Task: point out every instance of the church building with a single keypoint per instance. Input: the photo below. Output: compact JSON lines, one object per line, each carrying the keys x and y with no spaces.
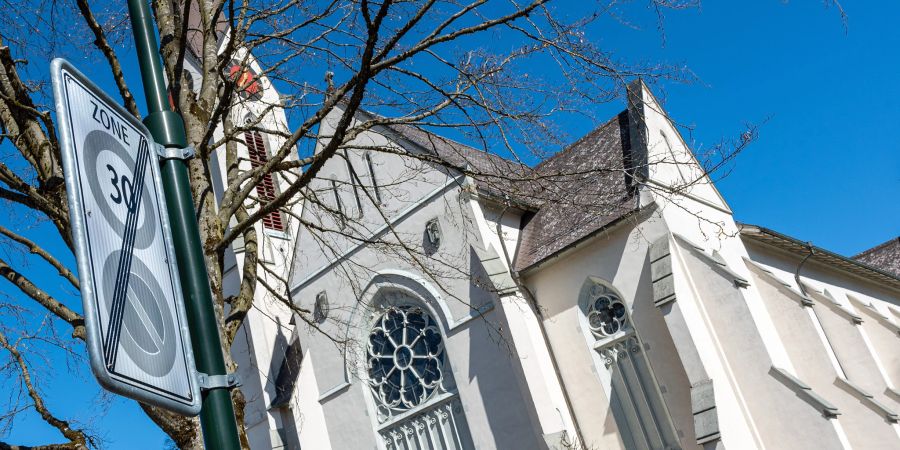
{"x":605,"y":298}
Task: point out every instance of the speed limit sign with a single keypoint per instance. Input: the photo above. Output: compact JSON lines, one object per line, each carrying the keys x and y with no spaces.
{"x":137,"y":332}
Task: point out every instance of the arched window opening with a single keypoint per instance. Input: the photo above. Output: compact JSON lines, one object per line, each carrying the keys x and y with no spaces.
{"x":372,"y":177}
{"x":634,"y":396}
{"x":265,"y":189}
{"x":415,"y":399}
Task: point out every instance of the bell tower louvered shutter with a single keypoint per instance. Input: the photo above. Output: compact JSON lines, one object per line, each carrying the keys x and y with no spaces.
{"x":265,"y":189}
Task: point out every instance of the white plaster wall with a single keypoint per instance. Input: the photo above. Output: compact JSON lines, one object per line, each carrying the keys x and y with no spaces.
{"x":867,"y":351}
{"x":402,"y":182}
{"x":620,"y":258}
{"x":484,"y":367}
{"x":306,"y":411}
{"x":817,"y":366}
{"x":730,"y":329}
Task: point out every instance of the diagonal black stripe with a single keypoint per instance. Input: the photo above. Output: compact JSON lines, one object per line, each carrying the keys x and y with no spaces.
{"x":123,"y":272}
{"x":124,"y":267}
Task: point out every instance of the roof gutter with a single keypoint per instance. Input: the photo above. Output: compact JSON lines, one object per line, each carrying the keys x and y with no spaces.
{"x":854,"y":267}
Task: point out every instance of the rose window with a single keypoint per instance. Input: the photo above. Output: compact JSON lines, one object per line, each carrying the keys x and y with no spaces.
{"x":606,"y":314}
{"x":405,"y":357}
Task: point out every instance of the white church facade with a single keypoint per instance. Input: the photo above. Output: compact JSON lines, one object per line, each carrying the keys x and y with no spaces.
{"x":501,"y":319}
{"x":458,"y":309}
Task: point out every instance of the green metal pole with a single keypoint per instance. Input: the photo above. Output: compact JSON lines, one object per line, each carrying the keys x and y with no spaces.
{"x":166,"y":126}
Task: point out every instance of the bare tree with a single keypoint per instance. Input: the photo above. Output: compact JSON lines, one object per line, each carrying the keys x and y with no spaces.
{"x":460,"y":68}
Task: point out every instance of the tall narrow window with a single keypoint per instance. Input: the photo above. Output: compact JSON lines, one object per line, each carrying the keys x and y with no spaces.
{"x":354,"y":181}
{"x":338,"y":204}
{"x":372,"y":177}
{"x":634,"y":395}
{"x":265,"y":189}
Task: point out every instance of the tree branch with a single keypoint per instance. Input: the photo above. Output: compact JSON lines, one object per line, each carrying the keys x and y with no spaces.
{"x":44,"y":299}
{"x":103,"y":45}
{"x":77,"y":438}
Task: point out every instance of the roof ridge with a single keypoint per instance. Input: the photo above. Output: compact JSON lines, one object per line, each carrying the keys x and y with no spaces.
{"x":564,"y":150}
{"x":394,"y":127}
{"x":880,"y":246}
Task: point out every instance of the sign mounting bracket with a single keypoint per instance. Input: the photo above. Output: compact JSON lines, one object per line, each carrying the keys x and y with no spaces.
{"x":173,"y":152}
{"x":209,"y":382}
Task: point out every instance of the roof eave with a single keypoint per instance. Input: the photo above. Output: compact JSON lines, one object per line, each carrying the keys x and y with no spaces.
{"x":636,"y":211}
{"x":775,"y":239}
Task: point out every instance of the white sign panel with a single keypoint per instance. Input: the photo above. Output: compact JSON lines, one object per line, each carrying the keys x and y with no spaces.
{"x":133,"y":307}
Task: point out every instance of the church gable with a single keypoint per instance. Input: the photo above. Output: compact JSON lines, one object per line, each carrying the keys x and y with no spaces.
{"x":666,"y":162}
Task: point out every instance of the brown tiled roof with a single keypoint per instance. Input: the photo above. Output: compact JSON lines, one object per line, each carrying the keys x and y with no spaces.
{"x":581,"y":189}
{"x":492,"y":174}
{"x":885,"y":256}
{"x":587,"y":188}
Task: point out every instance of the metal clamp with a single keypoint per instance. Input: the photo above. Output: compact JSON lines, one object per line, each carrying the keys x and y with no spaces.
{"x":210,"y":382}
{"x":174,"y":152}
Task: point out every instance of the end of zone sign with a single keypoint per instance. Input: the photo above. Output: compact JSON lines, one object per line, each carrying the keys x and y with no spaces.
{"x":134,"y":315}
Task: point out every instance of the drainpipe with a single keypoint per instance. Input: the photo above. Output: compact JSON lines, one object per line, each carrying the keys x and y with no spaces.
{"x":812,"y":252}
{"x":532,"y":302}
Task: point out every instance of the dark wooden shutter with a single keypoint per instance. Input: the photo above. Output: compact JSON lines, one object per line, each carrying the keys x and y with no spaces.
{"x":265,"y":189}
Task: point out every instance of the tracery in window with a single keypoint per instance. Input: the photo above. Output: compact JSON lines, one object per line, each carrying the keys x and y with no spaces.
{"x":606,"y":312}
{"x":414,"y":401}
{"x":634,"y":395}
{"x":405,"y":358}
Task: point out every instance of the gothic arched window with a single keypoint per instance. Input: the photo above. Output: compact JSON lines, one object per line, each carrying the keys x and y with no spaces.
{"x":406,"y":358}
{"x":407,"y":369}
{"x":634,"y":396}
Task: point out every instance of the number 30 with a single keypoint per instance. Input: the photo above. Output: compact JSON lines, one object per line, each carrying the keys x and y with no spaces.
{"x":121,"y":194}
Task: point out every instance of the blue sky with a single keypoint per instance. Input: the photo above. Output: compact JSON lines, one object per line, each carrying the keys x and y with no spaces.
{"x":826,"y":166}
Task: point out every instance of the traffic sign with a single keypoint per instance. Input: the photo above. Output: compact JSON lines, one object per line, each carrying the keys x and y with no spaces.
{"x":137,"y":332}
